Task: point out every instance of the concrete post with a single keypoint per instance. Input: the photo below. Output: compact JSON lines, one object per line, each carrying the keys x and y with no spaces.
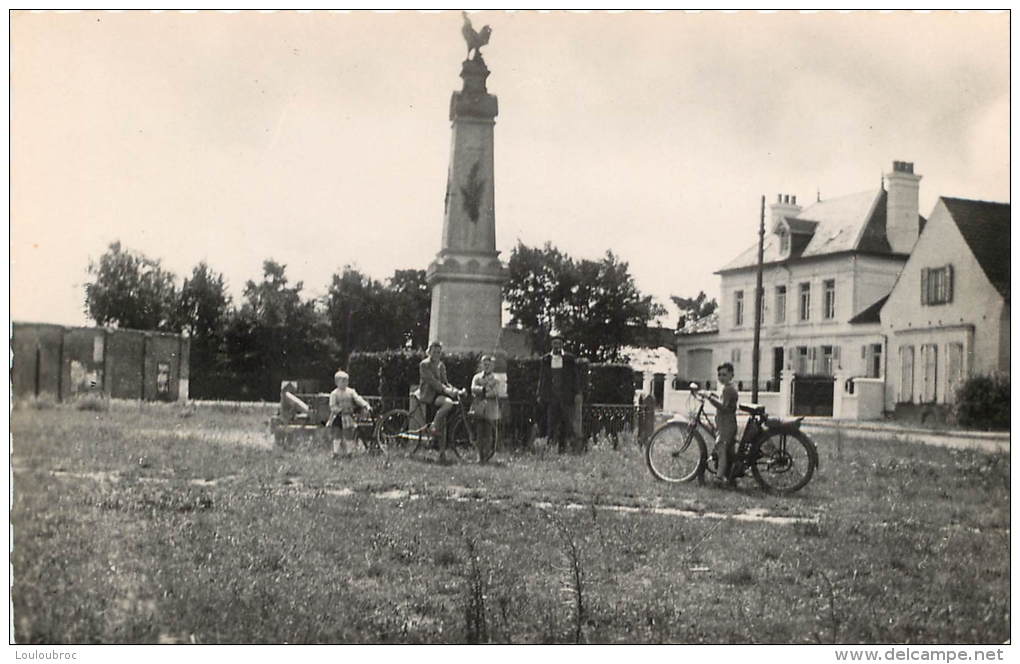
{"x":785,"y":393}
{"x":838,"y":392}
{"x":646,"y":421}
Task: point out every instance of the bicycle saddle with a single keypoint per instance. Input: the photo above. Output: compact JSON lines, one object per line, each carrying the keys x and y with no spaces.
{"x":775,"y":422}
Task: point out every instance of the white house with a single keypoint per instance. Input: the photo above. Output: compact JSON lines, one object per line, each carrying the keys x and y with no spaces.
{"x":947,"y":316}
{"x":827,"y":269}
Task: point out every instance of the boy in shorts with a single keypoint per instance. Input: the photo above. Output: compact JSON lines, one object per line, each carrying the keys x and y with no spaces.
{"x":343,"y":402}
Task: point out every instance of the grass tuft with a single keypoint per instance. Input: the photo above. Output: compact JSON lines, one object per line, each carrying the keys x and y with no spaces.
{"x":93,"y":403}
{"x":446,"y":557}
{"x":741,"y":576}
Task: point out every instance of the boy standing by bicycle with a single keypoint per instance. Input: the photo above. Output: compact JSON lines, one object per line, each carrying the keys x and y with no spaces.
{"x":343,"y":402}
{"x":725,"y":420}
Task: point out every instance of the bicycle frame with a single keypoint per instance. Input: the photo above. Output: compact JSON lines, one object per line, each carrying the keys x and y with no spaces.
{"x":421,"y":410}
{"x":757,"y":418}
{"x":777,"y":453}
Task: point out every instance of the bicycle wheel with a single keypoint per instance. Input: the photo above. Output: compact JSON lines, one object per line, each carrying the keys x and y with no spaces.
{"x":784,"y":461}
{"x":462,"y":441}
{"x":676,"y":453}
{"x":391,"y":432}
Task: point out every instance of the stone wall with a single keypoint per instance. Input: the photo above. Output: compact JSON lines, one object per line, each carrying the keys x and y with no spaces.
{"x":63,"y":363}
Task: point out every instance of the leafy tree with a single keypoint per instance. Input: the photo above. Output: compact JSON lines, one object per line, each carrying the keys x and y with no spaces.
{"x":130,"y":290}
{"x":595,"y":304}
{"x":366,"y":315}
{"x":693,"y":309}
{"x":203,"y":311}
{"x":540,"y":282}
{"x":360,"y":317}
{"x":413,"y":302}
{"x":276,"y":335}
{"x":203,"y":304}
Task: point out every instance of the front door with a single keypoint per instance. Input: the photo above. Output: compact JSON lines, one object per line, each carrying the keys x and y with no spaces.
{"x":777,"y":367}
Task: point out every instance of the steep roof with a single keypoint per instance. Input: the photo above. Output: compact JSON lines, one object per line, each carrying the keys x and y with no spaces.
{"x":870,"y":315}
{"x":849,"y":223}
{"x":985,"y":227}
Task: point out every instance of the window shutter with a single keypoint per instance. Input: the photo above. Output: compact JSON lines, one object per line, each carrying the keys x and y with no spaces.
{"x":864,"y":352}
{"x":835,"y":353}
{"x":924,"y":285}
{"x":949,"y":283}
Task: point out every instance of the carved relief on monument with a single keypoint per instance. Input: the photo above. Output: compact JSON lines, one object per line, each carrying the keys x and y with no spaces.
{"x":471,"y":192}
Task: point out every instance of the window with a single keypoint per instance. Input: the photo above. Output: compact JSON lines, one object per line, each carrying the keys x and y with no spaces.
{"x":805,"y":301}
{"x":829,"y":311}
{"x":906,"y":374}
{"x":803,"y":361}
{"x":929,"y":373}
{"x":784,"y":240}
{"x":872,"y":356}
{"x":937,"y":285}
{"x":780,"y":304}
{"x":738,"y":308}
{"x":830,"y":360}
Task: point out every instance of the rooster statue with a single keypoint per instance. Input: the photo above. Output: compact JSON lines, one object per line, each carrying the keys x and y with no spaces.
{"x":475,"y":40}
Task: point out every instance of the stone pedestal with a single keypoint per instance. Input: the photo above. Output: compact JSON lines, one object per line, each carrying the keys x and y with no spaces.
{"x":467,"y":276}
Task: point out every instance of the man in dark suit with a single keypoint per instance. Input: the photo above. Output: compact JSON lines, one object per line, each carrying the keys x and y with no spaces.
{"x":557,"y":392}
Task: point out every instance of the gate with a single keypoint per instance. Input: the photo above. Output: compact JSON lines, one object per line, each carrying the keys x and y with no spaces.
{"x":812,"y":395}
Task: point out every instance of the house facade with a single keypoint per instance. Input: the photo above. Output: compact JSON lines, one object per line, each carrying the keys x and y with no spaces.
{"x":827,"y":268}
{"x":947,"y":317}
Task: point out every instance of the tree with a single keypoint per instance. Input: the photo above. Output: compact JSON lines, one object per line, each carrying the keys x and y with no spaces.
{"x":413,"y":301}
{"x":203,"y":311}
{"x":203,"y":304}
{"x":132,"y":291}
{"x":366,"y":315}
{"x":595,"y":304}
{"x":538,"y":286}
{"x":693,"y":309}
{"x":276,"y":335}
{"x":360,"y":317}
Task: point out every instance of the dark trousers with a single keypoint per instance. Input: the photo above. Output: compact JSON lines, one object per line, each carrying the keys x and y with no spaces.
{"x":558,"y":422}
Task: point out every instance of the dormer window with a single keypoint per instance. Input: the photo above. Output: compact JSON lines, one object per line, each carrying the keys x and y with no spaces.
{"x":784,"y":238}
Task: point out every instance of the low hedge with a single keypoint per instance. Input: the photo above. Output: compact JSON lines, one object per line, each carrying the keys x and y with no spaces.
{"x":393,"y":373}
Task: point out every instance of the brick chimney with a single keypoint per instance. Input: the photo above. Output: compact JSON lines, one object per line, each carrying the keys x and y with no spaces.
{"x":785,"y":206}
{"x":901,"y":224}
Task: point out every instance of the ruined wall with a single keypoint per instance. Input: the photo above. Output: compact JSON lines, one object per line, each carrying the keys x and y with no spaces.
{"x":64,"y":363}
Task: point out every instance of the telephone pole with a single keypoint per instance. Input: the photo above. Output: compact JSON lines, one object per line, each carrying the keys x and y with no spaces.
{"x":756,"y":350}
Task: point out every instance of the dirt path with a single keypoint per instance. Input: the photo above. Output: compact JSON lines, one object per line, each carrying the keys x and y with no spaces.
{"x":452,"y":493}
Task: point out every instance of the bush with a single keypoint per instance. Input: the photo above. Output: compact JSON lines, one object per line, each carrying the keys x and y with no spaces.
{"x":396,"y":371}
{"x":983,"y":403}
{"x":392,"y":373}
{"x":522,"y":378}
{"x":610,"y":383}
{"x":44,"y":401}
{"x":364,"y":369}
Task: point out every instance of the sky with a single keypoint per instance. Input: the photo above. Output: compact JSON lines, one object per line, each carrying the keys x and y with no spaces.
{"x":321,"y":140}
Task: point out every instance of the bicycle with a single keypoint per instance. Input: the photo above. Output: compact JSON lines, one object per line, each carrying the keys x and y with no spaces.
{"x":472,"y":439}
{"x":782,"y":458}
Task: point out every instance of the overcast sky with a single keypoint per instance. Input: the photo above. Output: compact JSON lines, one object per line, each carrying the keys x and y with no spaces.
{"x":323,"y":139}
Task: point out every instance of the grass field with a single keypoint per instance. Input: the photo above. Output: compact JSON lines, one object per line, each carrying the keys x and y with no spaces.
{"x":163,"y":524}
